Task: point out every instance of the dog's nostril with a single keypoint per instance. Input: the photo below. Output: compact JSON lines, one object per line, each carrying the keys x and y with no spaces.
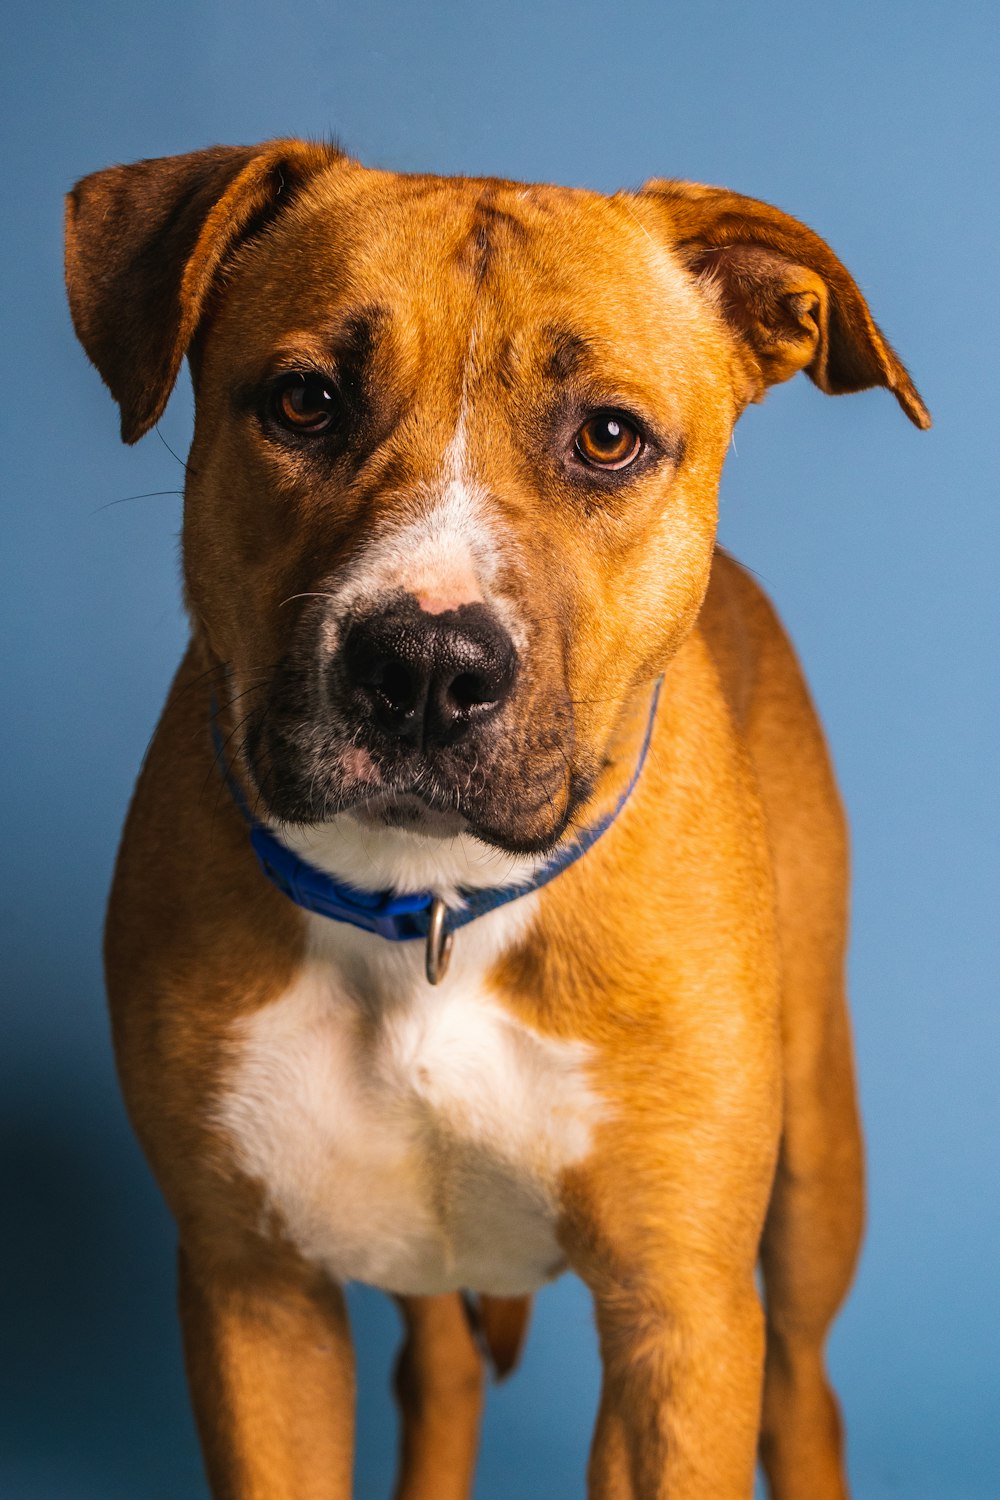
{"x":468,"y":690}
{"x":397,"y":684}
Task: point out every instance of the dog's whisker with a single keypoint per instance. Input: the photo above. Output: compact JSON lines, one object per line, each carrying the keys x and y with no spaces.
{"x":185,"y":465}
{"x":307,"y":594}
{"x":124,"y":499}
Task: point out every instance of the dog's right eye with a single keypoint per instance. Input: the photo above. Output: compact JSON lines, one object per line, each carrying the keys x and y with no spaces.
{"x":305,"y":403}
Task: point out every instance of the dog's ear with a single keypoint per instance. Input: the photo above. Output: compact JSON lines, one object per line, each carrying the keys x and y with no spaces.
{"x":143,"y":245}
{"x":793,"y":303}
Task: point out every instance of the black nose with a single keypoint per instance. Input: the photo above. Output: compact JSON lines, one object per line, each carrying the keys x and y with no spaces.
{"x":430,"y":678}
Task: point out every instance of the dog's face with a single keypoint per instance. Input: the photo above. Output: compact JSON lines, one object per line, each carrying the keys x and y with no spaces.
{"x":451,"y":499}
{"x":452,"y":493}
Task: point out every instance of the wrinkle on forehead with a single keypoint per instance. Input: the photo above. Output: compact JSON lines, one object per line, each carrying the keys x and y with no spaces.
{"x":439,"y":244}
{"x":493,"y":226}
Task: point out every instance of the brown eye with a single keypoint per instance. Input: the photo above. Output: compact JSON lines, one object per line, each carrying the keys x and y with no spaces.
{"x":608,"y":441}
{"x":305,"y":403}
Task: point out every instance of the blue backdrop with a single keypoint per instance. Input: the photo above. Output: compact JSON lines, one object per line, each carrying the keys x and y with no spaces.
{"x":875,"y":123}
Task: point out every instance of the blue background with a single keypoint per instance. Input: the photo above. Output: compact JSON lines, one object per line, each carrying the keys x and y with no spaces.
{"x":875,"y":124}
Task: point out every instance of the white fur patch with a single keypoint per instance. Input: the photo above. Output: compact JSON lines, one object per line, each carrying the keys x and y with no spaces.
{"x":409,"y":1137}
{"x":449,"y":553}
{"x":400,"y":860}
{"x":445,"y":549}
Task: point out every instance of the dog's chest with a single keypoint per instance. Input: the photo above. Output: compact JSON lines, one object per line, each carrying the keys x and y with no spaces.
{"x":415,"y":1145}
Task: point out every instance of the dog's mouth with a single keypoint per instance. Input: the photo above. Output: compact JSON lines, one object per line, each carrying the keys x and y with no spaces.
{"x":531,"y":825}
{"x":497,"y":791}
{"x":515,"y":822}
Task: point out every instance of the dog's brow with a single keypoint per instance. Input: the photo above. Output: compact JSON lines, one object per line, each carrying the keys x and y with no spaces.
{"x":352,"y":337}
{"x":569,"y":350}
{"x":346,"y":343}
{"x":493,"y":224}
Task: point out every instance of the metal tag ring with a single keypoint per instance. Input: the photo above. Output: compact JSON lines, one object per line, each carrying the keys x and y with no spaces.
{"x":437,"y":954}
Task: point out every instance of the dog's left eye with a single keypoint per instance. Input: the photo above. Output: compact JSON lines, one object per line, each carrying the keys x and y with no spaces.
{"x":305,"y":403}
{"x":607,"y":440}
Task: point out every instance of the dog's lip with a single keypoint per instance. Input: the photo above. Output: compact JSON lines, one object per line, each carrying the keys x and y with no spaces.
{"x":437,"y":794}
{"x":438,"y":817}
{"x":527,"y":817}
{"x":441,"y":818}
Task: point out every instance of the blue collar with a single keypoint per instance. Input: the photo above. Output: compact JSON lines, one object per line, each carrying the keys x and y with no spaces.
{"x":419,"y":914}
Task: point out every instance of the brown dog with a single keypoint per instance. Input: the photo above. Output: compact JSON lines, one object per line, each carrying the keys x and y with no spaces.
{"x":450,"y":514}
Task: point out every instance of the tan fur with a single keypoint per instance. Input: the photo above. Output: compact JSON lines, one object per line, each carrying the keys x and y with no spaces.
{"x":694,"y":956}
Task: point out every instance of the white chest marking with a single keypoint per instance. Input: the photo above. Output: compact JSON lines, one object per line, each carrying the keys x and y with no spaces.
{"x":413,"y":1145}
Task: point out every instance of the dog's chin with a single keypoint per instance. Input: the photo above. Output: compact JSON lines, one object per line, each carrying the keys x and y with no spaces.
{"x":409,"y":812}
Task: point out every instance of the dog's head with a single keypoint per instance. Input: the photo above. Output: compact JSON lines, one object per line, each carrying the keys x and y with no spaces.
{"x":451,"y":500}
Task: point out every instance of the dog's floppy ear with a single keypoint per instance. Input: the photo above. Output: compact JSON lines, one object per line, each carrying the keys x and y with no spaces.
{"x":793,"y":303}
{"x":143,"y":244}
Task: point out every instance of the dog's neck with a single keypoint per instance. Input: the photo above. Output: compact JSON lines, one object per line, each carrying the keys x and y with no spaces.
{"x":402,"y":859}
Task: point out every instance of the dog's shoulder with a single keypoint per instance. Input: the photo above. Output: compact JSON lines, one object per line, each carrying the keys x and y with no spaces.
{"x":749,"y":645}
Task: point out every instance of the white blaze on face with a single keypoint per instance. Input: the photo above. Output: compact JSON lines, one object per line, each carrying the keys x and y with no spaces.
{"x":452,"y":546}
{"x":449,"y":554}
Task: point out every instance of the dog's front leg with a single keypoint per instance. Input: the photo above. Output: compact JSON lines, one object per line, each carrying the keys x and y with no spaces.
{"x":663,"y":1224}
{"x":680,"y":1402}
{"x":271,"y":1371}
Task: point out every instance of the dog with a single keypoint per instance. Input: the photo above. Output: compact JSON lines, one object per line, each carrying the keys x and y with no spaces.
{"x":481,"y":906}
